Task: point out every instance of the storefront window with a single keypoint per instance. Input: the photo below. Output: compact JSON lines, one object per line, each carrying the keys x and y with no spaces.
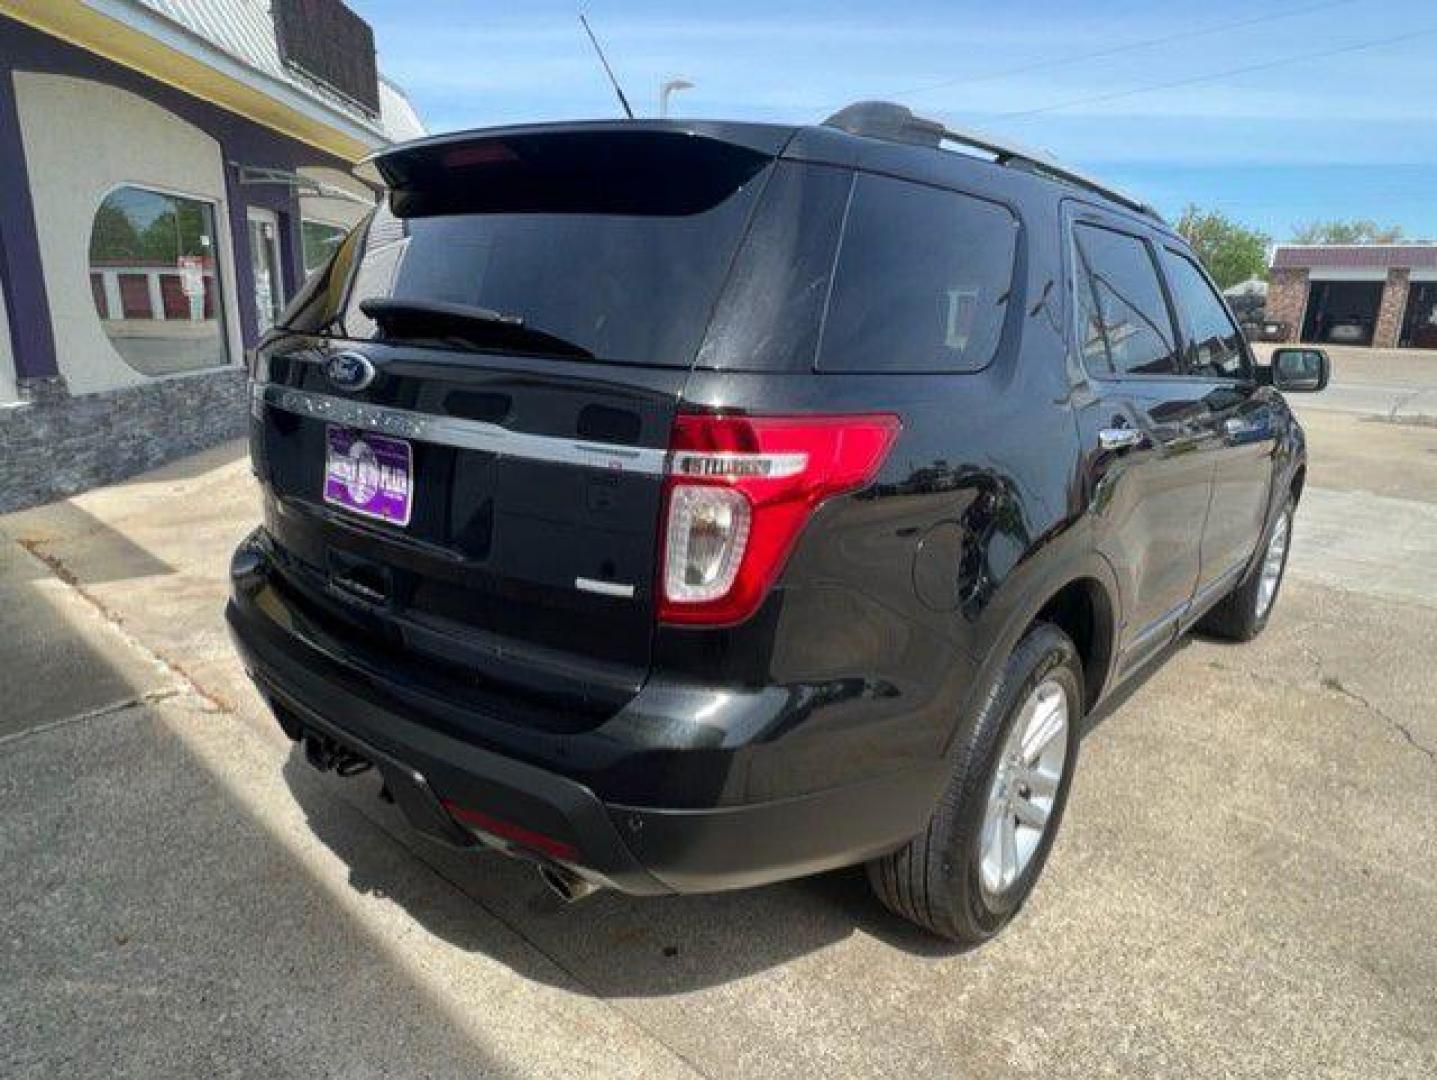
{"x":155,"y":281}
{"x":319,"y":240}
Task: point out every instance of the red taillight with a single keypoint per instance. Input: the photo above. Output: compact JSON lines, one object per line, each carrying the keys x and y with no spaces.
{"x":737,"y":493}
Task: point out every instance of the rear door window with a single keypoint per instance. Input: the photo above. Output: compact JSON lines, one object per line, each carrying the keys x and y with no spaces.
{"x":629,"y":287}
{"x":1215,"y":348}
{"x":922,"y":282}
{"x":1125,"y":327}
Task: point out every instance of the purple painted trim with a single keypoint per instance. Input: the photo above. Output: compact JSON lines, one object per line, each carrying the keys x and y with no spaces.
{"x":290,"y":253}
{"x":23,"y":48}
{"x":27,"y":308}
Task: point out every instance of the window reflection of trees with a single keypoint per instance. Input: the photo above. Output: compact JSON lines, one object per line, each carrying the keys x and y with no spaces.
{"x":154,"y":280}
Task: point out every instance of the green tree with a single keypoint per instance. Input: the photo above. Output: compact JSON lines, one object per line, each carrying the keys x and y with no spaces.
{"x":1358,"y":231}
{"x":113,"y":237}
{"x":160,"y":241}
{"x":1231,"y":252}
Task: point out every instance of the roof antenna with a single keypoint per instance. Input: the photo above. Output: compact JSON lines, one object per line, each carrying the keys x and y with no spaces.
{"x":608,"y":70}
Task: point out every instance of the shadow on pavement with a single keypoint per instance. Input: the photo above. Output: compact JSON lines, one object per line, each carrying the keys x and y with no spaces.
{"x":614,"y":945}
{"x":153,"y":926}
{"x":57,"y":662}
{"x":110,"y":554}
{"x":182,"y":938}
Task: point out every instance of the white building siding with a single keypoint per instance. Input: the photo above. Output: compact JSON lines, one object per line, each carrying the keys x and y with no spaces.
{"x":401,"y":121}
{"x":7,"y":357}
{"x":82,"y":140}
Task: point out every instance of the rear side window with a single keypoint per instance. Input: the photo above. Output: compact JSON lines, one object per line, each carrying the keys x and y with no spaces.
{"x":1124,"y":324}
{"x":922,"y":281}
{"x":769,"y":316}
{"x":1214,"y":342}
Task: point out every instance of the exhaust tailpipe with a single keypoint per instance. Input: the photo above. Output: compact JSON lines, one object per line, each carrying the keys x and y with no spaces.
{"x":565,"y":884}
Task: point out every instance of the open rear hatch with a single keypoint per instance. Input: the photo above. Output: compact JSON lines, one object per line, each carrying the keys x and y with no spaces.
{"x":462,"y":425}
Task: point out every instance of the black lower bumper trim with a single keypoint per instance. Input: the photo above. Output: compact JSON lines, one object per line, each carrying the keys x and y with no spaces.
{"x":446,"y":768}
{"x":643,"y":850}
{"x":406,"y":785}
{"x":736,"y":847}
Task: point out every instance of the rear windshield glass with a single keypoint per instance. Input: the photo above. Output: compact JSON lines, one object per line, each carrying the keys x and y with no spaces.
{"x":922,"y":282}
{"x":626,"y":287}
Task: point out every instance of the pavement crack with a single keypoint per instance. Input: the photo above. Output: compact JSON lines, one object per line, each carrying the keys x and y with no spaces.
{"x":1394,"y":413}
{"x":68,"y":577}
{"x":1336,"y":685}
{"x":1400,"y":402}
{"x":100,"y":712}
{"x":1333,"y":684}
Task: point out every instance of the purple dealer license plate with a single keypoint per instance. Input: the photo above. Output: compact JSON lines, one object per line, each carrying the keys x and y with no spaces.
{"x":369,"y":474}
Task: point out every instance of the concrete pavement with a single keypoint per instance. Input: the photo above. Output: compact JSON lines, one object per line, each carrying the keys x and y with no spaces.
{"x":89,"y":666}
{"x":168,"y":910}
{"x":1398,"y":385}
{"x":1245,"y":884}
{"x":1402,"y":404}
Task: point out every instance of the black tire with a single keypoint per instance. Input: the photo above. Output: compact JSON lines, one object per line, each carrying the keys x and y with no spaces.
{"x":935,"y":879}
{"x":1241,"y":615}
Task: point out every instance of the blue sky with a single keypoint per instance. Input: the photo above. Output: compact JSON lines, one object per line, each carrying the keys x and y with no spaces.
{"x":1240,"y":117}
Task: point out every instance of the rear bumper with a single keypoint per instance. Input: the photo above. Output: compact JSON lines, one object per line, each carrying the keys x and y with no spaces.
{"x":439,"y":780}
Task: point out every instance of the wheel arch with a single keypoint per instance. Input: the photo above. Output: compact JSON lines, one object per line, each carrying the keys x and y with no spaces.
{"x":1081,"y":598}
{"x":1084,"y":610}
{"x":1299,"y":478}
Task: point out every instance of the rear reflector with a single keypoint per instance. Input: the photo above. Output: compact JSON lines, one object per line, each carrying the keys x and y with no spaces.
{"x":507,"y":830}
{"x":738,"y":491}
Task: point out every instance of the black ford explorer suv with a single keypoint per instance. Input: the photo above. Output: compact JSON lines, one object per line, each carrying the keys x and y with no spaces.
{"x":684,"y":506}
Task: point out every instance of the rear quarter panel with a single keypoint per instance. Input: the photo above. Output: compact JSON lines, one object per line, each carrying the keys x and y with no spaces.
{"x":896,"y":598}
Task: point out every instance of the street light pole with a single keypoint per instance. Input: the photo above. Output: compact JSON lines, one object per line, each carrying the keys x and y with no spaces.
{"x":668,"y":88}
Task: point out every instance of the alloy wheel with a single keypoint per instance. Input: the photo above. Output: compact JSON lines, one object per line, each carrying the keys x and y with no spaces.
{"x":1272,"y":562}
{"x":1025,"y":786}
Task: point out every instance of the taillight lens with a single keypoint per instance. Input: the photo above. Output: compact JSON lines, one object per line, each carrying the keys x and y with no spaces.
{"x":738,"y":491}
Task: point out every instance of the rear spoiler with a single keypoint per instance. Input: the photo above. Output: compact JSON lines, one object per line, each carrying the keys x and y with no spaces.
{"x":648,"y":167}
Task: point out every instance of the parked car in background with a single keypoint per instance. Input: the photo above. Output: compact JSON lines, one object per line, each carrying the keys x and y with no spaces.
{"x":1350,"y":330}
{"x":685,"y":506}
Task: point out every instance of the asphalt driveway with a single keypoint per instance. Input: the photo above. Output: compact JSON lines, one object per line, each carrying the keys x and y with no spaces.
{"x":1246,"y":883}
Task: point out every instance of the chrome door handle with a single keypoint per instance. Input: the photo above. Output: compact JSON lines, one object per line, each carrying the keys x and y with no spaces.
{"x":1120,"y":438}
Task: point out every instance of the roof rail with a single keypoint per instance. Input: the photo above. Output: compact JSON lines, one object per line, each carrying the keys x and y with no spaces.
{"x":897,"y":123}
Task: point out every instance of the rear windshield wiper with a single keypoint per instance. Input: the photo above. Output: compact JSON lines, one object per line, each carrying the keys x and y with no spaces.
{"x":483,"y":327}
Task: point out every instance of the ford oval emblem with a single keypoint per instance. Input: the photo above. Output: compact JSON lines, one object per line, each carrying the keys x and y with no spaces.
{"x":349,"y":371}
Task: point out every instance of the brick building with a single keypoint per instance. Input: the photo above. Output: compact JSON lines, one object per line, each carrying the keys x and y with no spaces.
{"x":1383,"y":295}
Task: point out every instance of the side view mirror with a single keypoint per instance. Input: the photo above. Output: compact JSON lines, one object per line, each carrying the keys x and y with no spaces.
{"x":1300,"y":371}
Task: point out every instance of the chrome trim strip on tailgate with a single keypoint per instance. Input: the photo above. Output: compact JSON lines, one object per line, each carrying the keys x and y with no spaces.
{"x":604,"y":588}
{"x":465,"y":434}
